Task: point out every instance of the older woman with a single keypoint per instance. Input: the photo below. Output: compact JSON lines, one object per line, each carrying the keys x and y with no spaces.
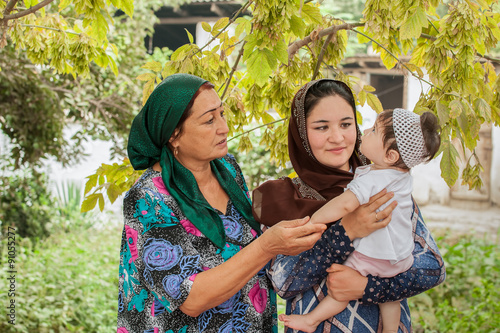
{"x":323,"y":142}
{"x":192,"y":256}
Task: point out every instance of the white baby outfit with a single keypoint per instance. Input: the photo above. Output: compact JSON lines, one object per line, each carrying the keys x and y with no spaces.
{"x":394,"y":242}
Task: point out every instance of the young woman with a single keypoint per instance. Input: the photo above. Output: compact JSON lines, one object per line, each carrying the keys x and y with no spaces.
{"x":323,"y":143}
{"x":398,"y":141}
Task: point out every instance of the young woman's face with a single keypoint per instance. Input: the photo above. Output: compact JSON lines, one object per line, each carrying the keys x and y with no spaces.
{"x":331,"y":130}
{"x":204,"y":133}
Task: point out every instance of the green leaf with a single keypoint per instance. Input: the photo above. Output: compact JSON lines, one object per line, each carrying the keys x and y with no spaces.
{"x":463,"y":123}
{"x":63,"y":4}
{"x":242,"y":25}
{"x":147,"y":90}
{"x":100,"y":27}
{"x":483,"y":108}
{"x":113,"y":192}
{"x":414,"y":68}
{"x":89,"y":203}
{"x":261,"y":64}
{"x":112,"y":65}
{"x":388,"y":60}
{"x":267,"y":118}
{"x":191,"y":39}
{"x":368,"y":88}
{"x":449,"y":165}
{"x":443,"y":112}
{"x":312,"y":14}
{"x":146,"y":77}
{"x":154,"y":66}
{"x":362,"y":97}
{"x":281,"y":51}
{"x":456,"y":108}
{"x":101,"y":202}
{"x":221,"y":23}
{"x":297,"y":26}
{"x":91,"y":182}
{"x":206,"y":26}
{"x":374,"y":102}
{"x":361,"y":38}
{"x":128,"y":7}
{"x":412,"y":27}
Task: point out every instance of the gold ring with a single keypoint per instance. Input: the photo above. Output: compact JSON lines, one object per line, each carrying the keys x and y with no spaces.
{"x":376,"y":218}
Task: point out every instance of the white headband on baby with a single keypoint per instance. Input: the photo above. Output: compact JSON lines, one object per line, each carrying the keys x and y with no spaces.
{"x":409,"y":137}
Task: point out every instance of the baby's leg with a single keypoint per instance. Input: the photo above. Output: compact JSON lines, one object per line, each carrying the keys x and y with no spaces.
{"x":308,"y":322}
{"x":391,"y":313}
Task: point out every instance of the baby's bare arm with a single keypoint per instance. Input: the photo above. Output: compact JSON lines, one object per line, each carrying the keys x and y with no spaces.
{"x":336,"y":208}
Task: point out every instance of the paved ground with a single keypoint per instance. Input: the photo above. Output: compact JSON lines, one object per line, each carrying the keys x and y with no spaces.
{"x":456,"y":220}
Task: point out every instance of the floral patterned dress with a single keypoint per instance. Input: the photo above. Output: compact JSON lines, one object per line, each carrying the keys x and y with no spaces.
{"x":161,"y":254}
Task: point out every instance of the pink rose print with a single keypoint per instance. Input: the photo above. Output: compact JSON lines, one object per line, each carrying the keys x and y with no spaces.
{"x":121,"y":330}
{"x":258,"y":297}
{"x":160,"y":185}
{"x":190,"y":228}
{"x":131,"y":235}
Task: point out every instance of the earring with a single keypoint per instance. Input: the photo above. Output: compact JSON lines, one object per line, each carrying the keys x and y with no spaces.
{"x":176,"y":151}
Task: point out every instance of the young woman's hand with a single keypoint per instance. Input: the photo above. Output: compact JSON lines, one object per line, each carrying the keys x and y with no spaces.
{"x":365,"y":219}
{"x":344,"y":283}
{"x":291,"y":237}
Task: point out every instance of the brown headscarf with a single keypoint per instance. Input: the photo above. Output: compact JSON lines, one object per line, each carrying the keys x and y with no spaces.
{"x":287,"y":199}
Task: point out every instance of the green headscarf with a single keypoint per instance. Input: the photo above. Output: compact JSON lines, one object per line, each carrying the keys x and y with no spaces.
{"x":147,"y":144}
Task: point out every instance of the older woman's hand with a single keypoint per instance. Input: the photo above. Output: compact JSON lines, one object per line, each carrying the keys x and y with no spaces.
{"x":365,"y":219}
{"x":291,"y":237}
{"x":344,"y":283}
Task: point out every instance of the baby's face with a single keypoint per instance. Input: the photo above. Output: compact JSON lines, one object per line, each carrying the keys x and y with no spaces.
{"x":372,"y":144}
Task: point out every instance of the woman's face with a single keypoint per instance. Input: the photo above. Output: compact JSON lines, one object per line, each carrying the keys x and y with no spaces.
{"x":331,"y":130}
{"x":204,"y":133}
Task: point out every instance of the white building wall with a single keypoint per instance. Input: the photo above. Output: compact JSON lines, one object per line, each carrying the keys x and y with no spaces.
{"x":495,"y":166}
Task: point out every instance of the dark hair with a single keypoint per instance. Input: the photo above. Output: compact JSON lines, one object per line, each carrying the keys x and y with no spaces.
{"x":325,"y":88}
{"x":430,"y":130}
{"x":188,"y":111}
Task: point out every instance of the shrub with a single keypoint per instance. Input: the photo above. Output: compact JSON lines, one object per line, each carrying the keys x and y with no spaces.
{"x":69,"y":283}
{"x":25,"y":204}
{"x":469,"y":298}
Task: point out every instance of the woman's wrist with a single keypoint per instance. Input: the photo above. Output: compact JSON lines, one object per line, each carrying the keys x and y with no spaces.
{"x":264,"y":248}
{"x":347,"y":224}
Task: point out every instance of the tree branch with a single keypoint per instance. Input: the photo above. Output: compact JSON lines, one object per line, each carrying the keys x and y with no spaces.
{"x":397,"y":59}
{"x":295,"y":46}
{"x":9,"y":7}
{"x":484,"y":56}
{"x":253,"y":129}
{"x":27,"y":11}
{"x":50,"y":28}
{"x":240,"y":54}
{"x":322,"y":54}
{"x":231,"y":21}
{"x":487,"y":57}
